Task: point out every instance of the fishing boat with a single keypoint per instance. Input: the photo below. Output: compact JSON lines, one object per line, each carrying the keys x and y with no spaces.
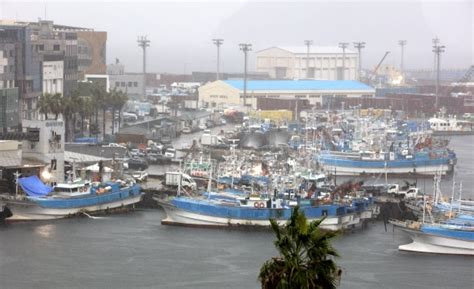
{"x":454,"y":237}
{"x":42,"y":202}
{"x":224,"y":210}
{"x":446,"y":125}
{"x":369,"y":162}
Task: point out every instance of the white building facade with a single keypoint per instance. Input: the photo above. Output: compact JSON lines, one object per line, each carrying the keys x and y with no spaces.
{"x":325,"y":63}
{"x":53,"y":77}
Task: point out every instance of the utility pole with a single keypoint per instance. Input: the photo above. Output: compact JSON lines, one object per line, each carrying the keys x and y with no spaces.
{"x":437,"y":49}
{"x":308,"y":44}
{"x":359,"y":46}
{"x":245,"y":47}
{"x":402,"y":44}
{"x":343,"y":45}
{"x":218,"y":42}
{"x":143,"y":42}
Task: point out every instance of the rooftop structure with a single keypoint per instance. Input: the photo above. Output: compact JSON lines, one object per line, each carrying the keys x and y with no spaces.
{"x":313,"y":62}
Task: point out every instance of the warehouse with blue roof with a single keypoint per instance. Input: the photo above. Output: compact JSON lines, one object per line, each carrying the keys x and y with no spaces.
{"x":229,"y":93}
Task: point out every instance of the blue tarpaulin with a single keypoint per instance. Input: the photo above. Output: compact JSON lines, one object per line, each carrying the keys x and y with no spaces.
{"x":34,"y":187}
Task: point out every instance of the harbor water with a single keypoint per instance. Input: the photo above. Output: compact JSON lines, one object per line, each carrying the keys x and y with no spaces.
{"x":134,"y":250}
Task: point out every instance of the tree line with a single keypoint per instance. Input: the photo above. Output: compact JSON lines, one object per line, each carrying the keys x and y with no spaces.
{"x":81,"y":112}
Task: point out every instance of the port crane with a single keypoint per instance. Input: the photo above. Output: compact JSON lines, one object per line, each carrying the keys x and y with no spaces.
{"x":372,"y":75}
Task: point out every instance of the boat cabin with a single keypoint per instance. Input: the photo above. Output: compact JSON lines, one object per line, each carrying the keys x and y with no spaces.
{"x":72,"y":189}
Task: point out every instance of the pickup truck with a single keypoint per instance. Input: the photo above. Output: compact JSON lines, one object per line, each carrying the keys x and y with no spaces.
{"x":410,"y":193}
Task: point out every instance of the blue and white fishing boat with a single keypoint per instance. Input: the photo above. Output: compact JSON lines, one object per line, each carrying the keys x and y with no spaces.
{"x":425,"y":163}
{"x":453,"y":237}
{"x":226,"y":210}
{"x":42,"y":202}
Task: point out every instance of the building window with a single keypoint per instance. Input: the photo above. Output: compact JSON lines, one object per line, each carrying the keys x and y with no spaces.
{"x":11,"y":53}
{"x":129,"y":84}
{"x":300,"y":96}
{"x":135,"y":84}
{"x":56,"y":47}
{"x":123,"y":84}
{"x":117,"y":84}
{"x":40,"y":47}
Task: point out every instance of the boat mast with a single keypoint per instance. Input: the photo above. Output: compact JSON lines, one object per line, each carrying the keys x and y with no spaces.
{"x":452,"y":198}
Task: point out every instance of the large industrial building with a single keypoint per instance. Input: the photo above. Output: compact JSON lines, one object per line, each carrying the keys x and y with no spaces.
{"x":229,"y":93}
{"x":323,"y":63}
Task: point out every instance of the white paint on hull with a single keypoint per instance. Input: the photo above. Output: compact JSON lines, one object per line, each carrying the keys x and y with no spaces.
{"x":429,"y":243}
{"x":31,"y":212}
{"x":180,"y":217}
{"x":355,"y":171}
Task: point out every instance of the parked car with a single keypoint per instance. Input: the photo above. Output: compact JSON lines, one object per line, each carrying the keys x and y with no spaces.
{"x":165,"y":139}
{"x":170,"y":153}
{"x":202,"y":126}
{"x":186,"y":130}
{"x":140,"y":176}
{"x":114,"y":145}
{"x":137,"y":164}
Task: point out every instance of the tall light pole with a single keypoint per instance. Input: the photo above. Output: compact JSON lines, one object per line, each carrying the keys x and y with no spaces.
{"x":402,"y":44}
{"x":218,"y":42}
{"x":308,"y":44}
{"x":359,"y":46}
{"x":143,"y":42}
{"x":437,"y":49}
{"x":343,"y":45}
{"x":435,"y":42}
{"x":245,"y":47}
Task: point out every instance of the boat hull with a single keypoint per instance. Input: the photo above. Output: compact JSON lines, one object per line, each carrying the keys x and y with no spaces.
{"x":31,"y":211}
{"x":356,"y":171}
{"x":178,"y":216}
{"x":436,"y":244}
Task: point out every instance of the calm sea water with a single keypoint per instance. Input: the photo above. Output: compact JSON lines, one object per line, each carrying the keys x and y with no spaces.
{"x":134,"y":251}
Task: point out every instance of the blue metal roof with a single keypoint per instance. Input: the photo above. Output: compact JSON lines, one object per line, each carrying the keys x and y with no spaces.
{"x":299,"y":85}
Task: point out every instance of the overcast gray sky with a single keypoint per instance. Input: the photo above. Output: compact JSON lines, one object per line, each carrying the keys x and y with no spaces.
{"x":181,"y":32}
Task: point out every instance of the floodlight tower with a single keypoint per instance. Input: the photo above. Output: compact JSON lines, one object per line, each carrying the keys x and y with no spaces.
{"x":359,"y":46}
{"x":437,"y":49}
{"x":245,"y":47}
{"x":143,"y":42}
{"x":308,"y":44}
{"x":218,"y":42}
{"x":343,"y":45}
{"x":402,"y":44}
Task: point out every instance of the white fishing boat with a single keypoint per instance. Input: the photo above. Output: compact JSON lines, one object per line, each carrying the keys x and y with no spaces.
{"x":437,"y":238}
{"x":41,"y":202}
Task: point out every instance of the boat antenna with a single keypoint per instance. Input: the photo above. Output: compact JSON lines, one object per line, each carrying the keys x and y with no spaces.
{"x":209,"y":183}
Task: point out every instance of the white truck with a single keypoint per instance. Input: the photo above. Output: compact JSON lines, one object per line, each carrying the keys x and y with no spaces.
{"x":208,"y":139}
{"x":173,"y":179}
{"x":410,"y":193}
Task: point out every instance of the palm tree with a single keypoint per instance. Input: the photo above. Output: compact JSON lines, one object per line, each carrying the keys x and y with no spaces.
{"x":55,"y":105}
{"x":99,"y":99}
{"x":117,"y":100}
{"x":44,"y":104}
{"x":305,"y":259}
